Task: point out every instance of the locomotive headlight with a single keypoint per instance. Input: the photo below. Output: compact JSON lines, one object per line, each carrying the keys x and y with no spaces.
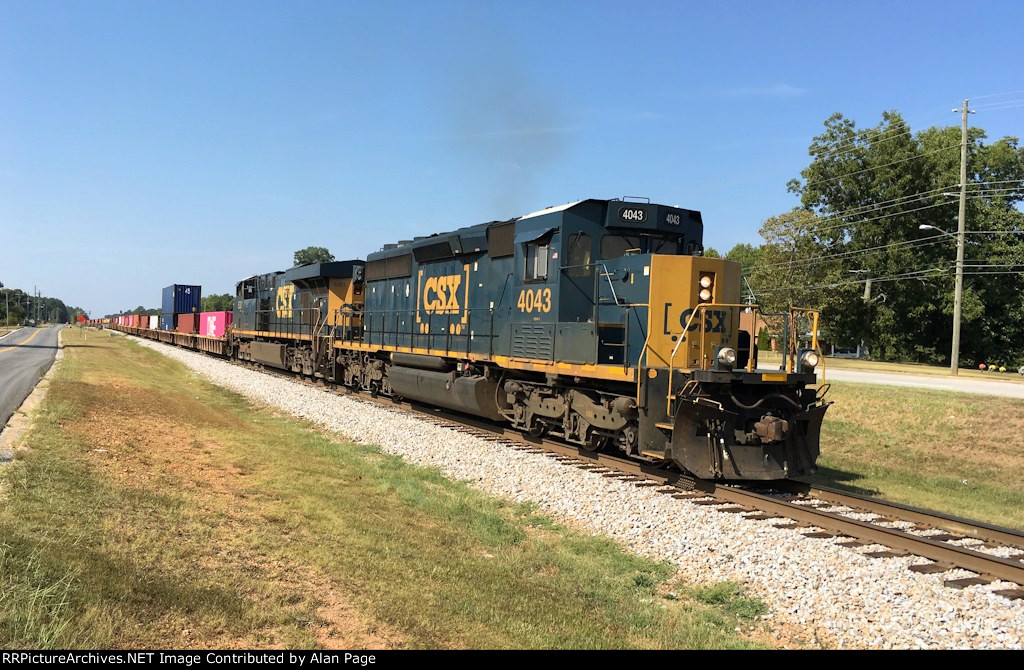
{"x":705,"y":294}
{"x":809,"y":359}
{"x":706,"y":281}
{"x":727,"y":356}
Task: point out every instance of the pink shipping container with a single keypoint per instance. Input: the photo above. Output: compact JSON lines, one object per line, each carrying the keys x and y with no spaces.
{"x":187,"y":323}
{"x":213,"y":324}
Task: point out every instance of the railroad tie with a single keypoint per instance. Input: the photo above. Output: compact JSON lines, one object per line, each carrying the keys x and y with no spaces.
{"x":930,"y":568}
{"x":965,"y":582}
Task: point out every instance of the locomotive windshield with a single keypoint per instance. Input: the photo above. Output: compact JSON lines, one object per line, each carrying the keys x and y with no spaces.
{"x":616,"y":246}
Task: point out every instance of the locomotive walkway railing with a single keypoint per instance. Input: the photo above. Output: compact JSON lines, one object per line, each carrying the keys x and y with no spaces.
{"x":790,"y":328}
{"x":430,"y":332}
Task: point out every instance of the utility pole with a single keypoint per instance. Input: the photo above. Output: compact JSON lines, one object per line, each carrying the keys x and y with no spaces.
{"x":961,"y":226}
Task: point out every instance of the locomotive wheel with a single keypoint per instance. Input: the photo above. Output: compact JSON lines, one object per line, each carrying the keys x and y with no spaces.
{"x":597,"y":444}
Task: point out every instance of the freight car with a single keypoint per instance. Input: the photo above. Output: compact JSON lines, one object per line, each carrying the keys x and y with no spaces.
{"x":599,"y":322}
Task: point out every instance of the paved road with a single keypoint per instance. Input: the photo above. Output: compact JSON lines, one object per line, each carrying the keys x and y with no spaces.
{"x":959,"y":384}
{"x":24,"y":356}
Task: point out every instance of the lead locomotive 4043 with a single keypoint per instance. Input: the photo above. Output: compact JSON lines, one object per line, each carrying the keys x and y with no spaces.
{"x":598,"y":322}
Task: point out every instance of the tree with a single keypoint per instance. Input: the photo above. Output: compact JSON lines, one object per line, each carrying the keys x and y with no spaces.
{"x":746,"y":255}
{"x":864,"y":196}
{"x":711,"y":252}
{"x":223,"y":302}
{"x":313,"y":255}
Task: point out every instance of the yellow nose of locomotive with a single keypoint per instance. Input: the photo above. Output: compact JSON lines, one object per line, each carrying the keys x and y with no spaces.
{"x":692,"y":298}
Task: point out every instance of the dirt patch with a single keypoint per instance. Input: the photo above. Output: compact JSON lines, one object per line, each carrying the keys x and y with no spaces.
{"x":145,"y":440}
{"x":341,"y":626}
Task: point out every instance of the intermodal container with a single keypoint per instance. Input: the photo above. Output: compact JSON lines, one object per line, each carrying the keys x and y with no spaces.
{"x":187,"y":323}
{"x":213,"y":324}
{"x":167,"y":322}
{"x":182,"y":299}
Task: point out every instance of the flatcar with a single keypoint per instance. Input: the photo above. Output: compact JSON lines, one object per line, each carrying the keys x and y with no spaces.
{"x":599,"y":322}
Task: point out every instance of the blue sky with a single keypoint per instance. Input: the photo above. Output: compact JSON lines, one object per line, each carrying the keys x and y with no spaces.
{"x":150,"y":143}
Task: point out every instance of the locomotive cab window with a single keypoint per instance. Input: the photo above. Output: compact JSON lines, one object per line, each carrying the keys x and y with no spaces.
{"x":536,"y":261}
{"x":579,"y":255}
{"x":617,"y":246}
{"x":665,"y":246}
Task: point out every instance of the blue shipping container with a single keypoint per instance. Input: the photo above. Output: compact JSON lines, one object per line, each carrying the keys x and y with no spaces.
{"x":182,"y":299}
{"x":167,"y":322}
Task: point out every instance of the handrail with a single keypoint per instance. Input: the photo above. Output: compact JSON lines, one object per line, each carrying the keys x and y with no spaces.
{"x":792,"y":344}
{"x":605,"y":274}
{"x":701,"y":309}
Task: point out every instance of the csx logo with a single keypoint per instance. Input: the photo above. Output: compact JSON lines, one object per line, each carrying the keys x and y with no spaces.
{"x":441,"y":294}
{"x":284,"y":301}
{"x":714,"y":321}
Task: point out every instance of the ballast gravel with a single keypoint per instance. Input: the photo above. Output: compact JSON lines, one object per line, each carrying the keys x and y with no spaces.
{"x":818,"y":592}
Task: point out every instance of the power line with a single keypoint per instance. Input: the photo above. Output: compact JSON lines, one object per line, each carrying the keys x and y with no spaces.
{"x":926,"y":273}
{"x":1000,"y":105}
{"x":894,"y":127}
{"x":995,"y":272}
{"x":853,"y":144}
{"x":885,"y":204}
{"x":845,"y":224}
{"x":995,"y":95}
{"x":876,"y":167}
{"x":921,"y":242}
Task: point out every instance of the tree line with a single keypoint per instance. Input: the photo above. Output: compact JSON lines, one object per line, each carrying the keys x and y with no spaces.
{"x":880,"y":205}
{"x":24,"y":307}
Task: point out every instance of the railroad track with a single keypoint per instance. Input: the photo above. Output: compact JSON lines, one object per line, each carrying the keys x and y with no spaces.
{"x":815,"y":511}
{"x":945,"y":542}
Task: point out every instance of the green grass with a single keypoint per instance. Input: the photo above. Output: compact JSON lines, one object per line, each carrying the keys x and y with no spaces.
{"x":956,"y":453}
{"x":157,"y":510}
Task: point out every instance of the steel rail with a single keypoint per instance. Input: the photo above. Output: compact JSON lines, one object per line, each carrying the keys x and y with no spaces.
{"x":977,"y":530}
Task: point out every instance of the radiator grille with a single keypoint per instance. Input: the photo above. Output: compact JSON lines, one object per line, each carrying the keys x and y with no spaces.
{"x":534,"y":340}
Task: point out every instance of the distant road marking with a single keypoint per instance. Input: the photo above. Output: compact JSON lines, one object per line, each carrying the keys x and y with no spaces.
{"x":31,"y":337}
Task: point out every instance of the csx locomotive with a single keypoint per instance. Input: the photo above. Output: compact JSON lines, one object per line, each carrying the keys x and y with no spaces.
{"x":599,"y":322}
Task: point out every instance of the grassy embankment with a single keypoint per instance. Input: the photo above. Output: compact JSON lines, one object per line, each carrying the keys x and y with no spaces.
{"x":959,"y":453}
{"x":157,"y":510}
